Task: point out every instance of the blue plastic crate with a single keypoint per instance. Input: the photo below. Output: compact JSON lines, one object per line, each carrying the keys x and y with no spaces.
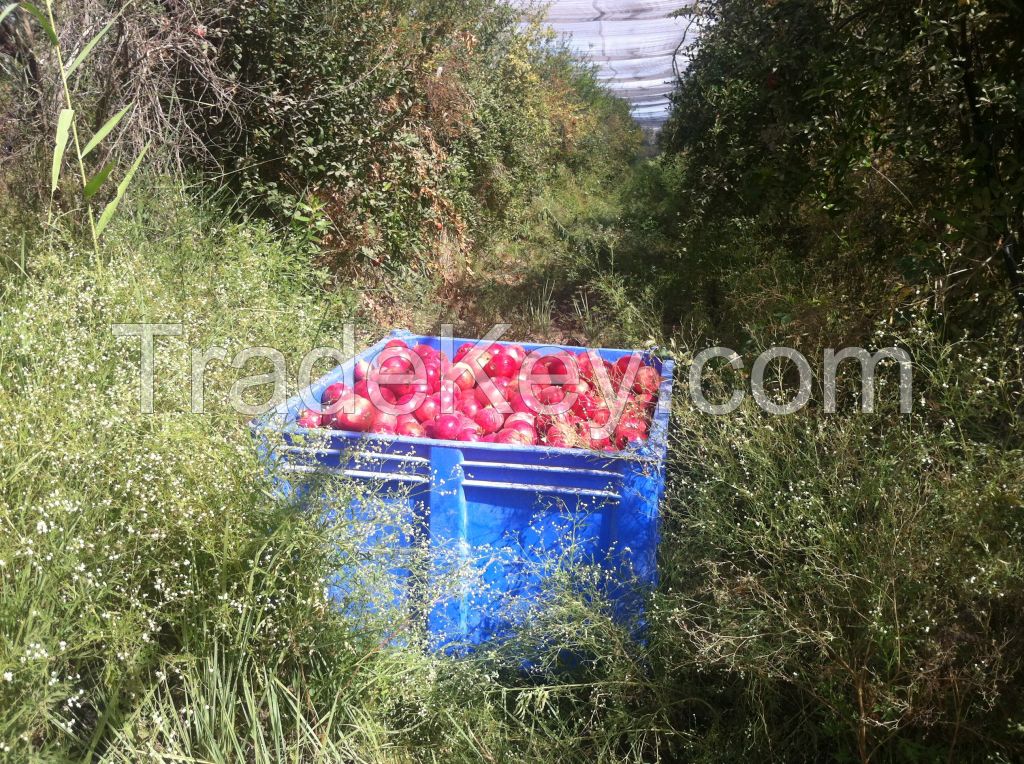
{"x":494,"y":518}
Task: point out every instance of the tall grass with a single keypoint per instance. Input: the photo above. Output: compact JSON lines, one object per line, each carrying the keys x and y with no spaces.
{"x":158,"y":600}
{"x":832,"y":587}
{"x":858,"y":577}
{"x":842,"y":587}
{"x":90,"y":182}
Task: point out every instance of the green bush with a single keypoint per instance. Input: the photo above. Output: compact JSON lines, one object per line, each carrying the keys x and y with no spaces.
{"x":873,"y":142}
{"x":855,"y":580}
{"x":404,"y":131}
{"x":832,"y":586}
{"x":410,"y":128}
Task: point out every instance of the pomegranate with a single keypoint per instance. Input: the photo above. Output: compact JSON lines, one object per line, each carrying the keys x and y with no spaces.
{"x":522,"y":427}
{"x":522,"y":416}
{"x":626,"y":435}
{"x":517,"y":353}
{"x":633,"y":422}
{"x":462,"y":375}
{"x":647,"y":381}
{"x":577,"y":387}
{"x":562,"y":435}
{"x":470,"y":407}
{"x":411,"y":430}
{"x":384,"y":423}
{"x":447,"y":400}
{"x":362,"y":369}
{"x":355,"y":413}
{"x":551,"y":395}
{"x":465,"y":423}
{"x":501,"y":366}
{"x":332,"y":394}
{"x":519,"y":404}
{"x":464,"y":350}
{"x":585,"y":365}
{"x":419,"y":388}
{"x":470,"y":436}
{"x":556,"y":439}
{"x":396,"y":399}
{"x":585,"y":405}
{"x":557,"y":365}
{"x":490,"y":419}
{"x":447,"y":427}
{"x":395,"y":365}
{"x":425,"y":352}
{"x":513,"y":437}
{"x":433,"y":377}
{"x":428,"y":410}
{"x":622,"y":365}
{"x":499,"y":388}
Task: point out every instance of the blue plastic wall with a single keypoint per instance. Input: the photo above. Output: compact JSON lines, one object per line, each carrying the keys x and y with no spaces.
{"x":501,"y":515}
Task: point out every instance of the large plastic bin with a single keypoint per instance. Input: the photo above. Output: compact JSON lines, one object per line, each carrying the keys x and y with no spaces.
{"x":502,"y":515}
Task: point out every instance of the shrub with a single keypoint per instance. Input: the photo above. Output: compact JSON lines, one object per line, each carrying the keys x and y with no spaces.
{"x":854,"y":136}
{"x":856,"y":578}
{"x":411,"y":129}
{"x":401,"y":131}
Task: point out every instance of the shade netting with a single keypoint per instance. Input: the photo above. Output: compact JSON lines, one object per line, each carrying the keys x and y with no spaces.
{"x":633,"y":44}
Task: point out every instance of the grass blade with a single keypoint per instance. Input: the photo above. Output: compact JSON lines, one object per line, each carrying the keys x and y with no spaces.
{"x":111,"y":208}
{"x":7,"y":11}
{"x":43,"y":21}
{"x":88,"y":49}
{"x":60,"y":144}
{"x":109,"y":125}
{"x":97,"y":180}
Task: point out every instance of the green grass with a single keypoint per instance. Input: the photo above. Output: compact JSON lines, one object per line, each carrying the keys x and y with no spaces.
{"x":833,"y":587}
{"x":155,"y":598}
{"x":157,"y":602}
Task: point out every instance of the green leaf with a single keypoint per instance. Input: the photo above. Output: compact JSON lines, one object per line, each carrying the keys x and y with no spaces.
{"x":60,"y":143}
{"x":88,"y":48}
{"x":111,"y":208}
{"x":109,"y":125}
{"x":7,"y":11}
{"x":97,"y":180}
{"x":43,"y":21}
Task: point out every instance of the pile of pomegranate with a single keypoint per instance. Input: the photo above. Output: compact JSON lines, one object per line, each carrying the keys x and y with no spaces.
{"x":495,"y":394}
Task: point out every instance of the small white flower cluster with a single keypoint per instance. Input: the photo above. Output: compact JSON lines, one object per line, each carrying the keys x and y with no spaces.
{"x":35,"y":652}
{"x":74,"y":703}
